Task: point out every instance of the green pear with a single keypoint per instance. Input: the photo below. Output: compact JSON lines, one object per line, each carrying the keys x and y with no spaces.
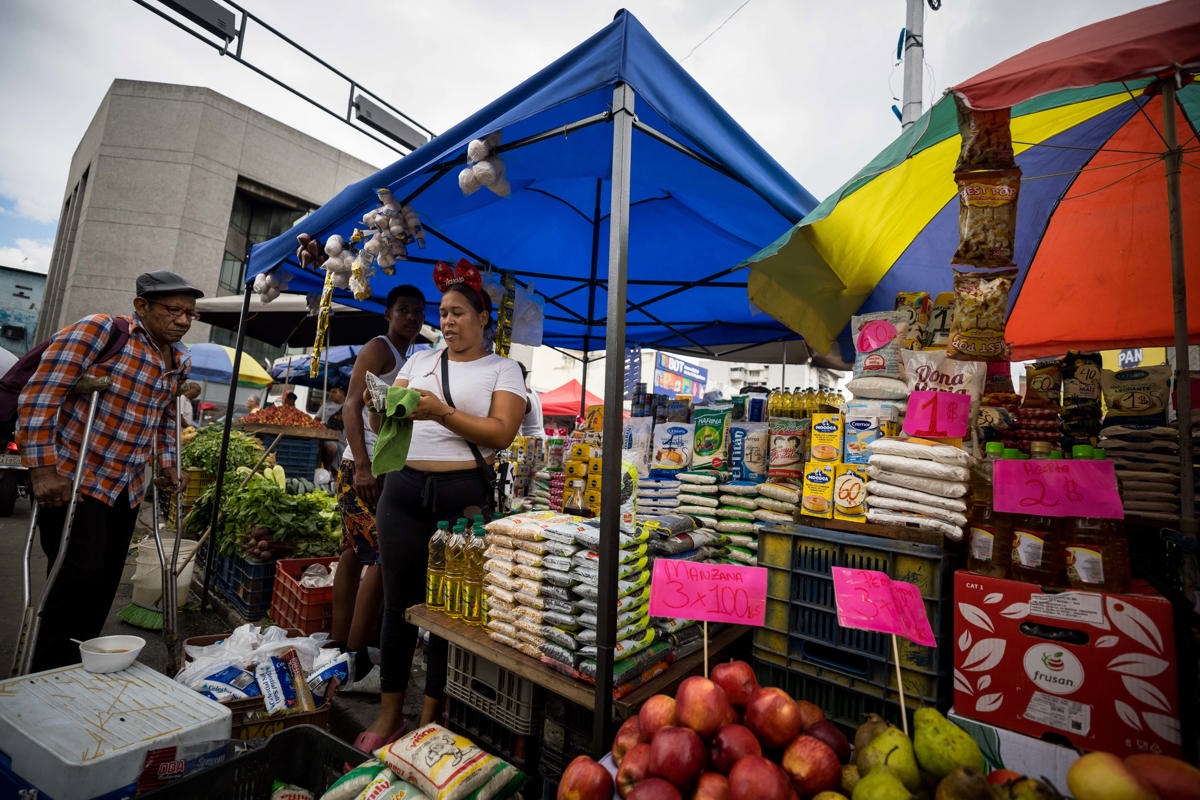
{"x":964,"y":783}
{"x":1031,"y":789}
{"x":895,"y":750}
{"x":941,"y":746}
{"x":881,"y":784}
{"x":871,"y":727}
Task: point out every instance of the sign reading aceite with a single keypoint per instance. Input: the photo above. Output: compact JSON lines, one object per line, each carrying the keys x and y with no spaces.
{"x":712,"y":592}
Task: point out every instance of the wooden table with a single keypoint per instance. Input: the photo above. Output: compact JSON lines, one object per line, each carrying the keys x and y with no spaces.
{"x":475,"y":640}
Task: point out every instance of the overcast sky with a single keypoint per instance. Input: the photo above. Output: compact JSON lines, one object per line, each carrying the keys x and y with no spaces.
{"x":812,"y":81}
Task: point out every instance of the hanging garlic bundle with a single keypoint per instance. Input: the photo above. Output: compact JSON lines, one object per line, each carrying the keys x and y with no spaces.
{"x":484,"y":168}
{"x":504,"y":319}
{"x":393,"y":227}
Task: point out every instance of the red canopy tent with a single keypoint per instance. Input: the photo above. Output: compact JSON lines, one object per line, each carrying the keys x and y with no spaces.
{"x":564,"y":401}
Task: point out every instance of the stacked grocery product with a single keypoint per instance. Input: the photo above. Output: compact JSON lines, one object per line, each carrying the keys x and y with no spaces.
{"x":1146,"y":459}
{"x":918,"y":483}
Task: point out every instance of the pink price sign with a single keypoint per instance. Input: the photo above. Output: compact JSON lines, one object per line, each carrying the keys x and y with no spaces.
{"x":937,"y":415}
{"x":712,"y":592}
{"x":871,"y":601}
{"x":1057,"y":488}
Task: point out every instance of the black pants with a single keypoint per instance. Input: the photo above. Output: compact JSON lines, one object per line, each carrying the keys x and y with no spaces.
{"x":83,"y":592}
{"x":410,"y":506}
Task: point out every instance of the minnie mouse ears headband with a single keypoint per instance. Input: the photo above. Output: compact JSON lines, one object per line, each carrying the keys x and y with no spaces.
{"x":464,"y":273}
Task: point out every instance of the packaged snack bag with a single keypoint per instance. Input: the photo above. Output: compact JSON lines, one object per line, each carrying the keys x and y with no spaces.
{"x":980,"y":308}
{"x":987,"y":217}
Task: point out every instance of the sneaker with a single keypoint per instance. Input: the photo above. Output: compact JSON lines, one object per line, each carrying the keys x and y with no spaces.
{"x":367,"y":684}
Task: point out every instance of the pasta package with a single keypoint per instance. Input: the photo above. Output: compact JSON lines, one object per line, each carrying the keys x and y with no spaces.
{"x":916,"y":307}
{"x":987,"y":217}
{"x":937,"y":333}
{"x":980,"y":307}
{"x":1137,"y":395}
{"x":1043,"y":385}
{"x":878,"y":337}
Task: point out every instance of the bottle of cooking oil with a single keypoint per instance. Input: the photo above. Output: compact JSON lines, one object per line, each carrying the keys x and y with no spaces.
{"x":990,"y":533}
{"x":1037,"y":551}
{"x":1096,"y":554}
{"x":472,"y":587}
{"x":455,"y":551}
{"x":773,"y":403}
{"x":435,"y":579}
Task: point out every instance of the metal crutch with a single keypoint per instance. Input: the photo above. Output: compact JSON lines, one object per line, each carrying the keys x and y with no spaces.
{"x":170,"y":578}
{"x":31,"y":617}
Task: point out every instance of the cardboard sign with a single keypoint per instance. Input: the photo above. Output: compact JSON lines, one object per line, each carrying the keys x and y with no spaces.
{"x":1057,"y":488}
{"x":937,"y":415}
{"x":871,"y":601}
{"x":712,"y":592}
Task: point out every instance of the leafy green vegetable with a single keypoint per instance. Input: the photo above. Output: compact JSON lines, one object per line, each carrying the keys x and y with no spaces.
{"x":204,"y":451}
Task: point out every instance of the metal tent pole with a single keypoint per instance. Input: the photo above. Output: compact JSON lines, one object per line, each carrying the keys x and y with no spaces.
{"x":1183,"y":383}
{"x":614,"y":380}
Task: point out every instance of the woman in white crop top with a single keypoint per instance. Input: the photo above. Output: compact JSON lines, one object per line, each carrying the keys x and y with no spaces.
{"x":443,"y":480}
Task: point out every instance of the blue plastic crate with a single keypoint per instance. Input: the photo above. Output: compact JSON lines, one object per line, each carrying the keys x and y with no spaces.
{"x":247,"y":584}
{"x":298,"y":455}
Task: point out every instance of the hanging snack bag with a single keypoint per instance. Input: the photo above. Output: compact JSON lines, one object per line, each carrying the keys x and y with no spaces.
{"x":916,"y":307}
{"x":711,"y":443}
{"x":1138,"y":395}
{"x":987,"y":217}
{"x":671,"y":451}
{"x":877,"y":340}
{"x":980,"y":307}
{"x":789,"y":448}
{"x":986,"y":138}
{"x":937,"y":332}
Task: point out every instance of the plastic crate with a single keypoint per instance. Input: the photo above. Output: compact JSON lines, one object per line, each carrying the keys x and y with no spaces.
{"x":566,"y":732}
{"x":519,"y":749}
{"x":309,"y":609}
{"x":844,"y":705}
{"x":801,"y":631}
{"x":304,"y":756}
{"x":497,"y":692}
{"x":296,"y":454}
{"x":247,"y":583}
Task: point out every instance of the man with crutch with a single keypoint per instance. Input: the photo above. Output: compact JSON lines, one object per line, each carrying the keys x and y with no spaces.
{"x":130,"y":420}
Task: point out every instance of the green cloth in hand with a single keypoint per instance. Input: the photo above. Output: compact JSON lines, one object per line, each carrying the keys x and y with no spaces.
{"x":395,"y":430}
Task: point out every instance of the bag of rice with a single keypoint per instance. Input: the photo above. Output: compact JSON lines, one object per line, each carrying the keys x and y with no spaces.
{"x":637,"y":435}
{"x":780,"y":492}
{"x":450,"y":767}
{"x":878,"y":337}
{"x":749,"y":451}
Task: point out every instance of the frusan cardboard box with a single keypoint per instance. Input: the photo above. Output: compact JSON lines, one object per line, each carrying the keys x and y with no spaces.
{"x":1005,"y":749}
{"x":850,"y":492}
{"x":1097,"y":669}
{"x":817,"y":497}
{"x":826,"y":437}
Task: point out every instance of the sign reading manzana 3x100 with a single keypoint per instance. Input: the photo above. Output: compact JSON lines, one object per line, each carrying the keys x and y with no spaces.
{"x":675,"y":376}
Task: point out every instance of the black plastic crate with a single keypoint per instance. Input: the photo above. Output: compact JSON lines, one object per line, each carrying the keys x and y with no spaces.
{"x":845,"y":705}
{"x":566,"y":732}
{"x":492,"y":690}
{"x":518,"y":749}
{"x":304,"y":756}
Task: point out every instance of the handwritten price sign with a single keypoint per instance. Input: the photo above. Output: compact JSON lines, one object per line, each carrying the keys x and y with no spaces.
{"x":1057,"y":488}
{"x":712,"y":592}
{"x":937,"y":415}
{"x":871,"y":601}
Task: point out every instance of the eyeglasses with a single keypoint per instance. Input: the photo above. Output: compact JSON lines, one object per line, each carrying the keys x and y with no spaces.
{"x":177,"y":311}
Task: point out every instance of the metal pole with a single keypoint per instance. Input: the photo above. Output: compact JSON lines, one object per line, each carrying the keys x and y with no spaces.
{"x":614,"y":384}
{"x":914,"y":62}
{"x":1183,"y":383}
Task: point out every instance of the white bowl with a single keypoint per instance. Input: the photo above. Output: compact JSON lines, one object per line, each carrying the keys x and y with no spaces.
{"x":110,"y":653}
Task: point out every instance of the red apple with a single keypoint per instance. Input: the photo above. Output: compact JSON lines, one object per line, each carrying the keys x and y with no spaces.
{"x":756,"y":778}
{"x":677,"y":755}
{"x":729,"y":744}
{"x":711,"y":786}
{"x":1003,"y":776}
{"x":585,"y":779}
{"x":812,"y":765}
{"x":738,"y":680}
{"x":702,"y":706}
{"x":1171,"y":778}
{"x":773,"y":717}
{"x":832,"y":735}
{"x":634,"y":769}
{"x":628,"y":735}
{"x":657,"y":712}
{"x":810,"y":714}
{"x":654,"y":789}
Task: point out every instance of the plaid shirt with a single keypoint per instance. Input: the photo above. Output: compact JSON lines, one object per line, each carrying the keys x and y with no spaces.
{"x":138,"y":406}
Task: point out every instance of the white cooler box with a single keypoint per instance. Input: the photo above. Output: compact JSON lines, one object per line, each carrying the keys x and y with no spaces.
{"x":74,"y":735}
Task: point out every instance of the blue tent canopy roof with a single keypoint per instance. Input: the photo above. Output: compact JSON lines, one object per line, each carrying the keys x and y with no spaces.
{"x":704,"y":197}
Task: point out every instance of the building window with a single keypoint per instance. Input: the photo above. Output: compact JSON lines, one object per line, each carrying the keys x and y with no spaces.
{"x":258,"y":214}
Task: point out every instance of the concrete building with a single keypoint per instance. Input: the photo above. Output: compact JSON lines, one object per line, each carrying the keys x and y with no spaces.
{"x":21,"y":294}
{"x":185,"y":179}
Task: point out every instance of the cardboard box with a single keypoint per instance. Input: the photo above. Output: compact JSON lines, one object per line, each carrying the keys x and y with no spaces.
{"x":866,"y":421}
{"x":1005,"y":749}
{"x":850,"y":492}
{"x":1097,"y":669}
{"x":816,"y":500}
{"x":826,"y":441}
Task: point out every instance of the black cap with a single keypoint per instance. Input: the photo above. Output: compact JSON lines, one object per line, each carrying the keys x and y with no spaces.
{"x":162,"y":282}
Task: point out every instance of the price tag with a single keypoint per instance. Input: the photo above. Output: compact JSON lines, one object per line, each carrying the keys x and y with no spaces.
{"x":712,"y":592}
{"x":937,"y":415}
{"x":1057,"y":488}
{"x":871,"y":601}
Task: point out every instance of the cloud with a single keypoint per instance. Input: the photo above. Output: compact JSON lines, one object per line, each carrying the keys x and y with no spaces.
{"x":37,"y":253}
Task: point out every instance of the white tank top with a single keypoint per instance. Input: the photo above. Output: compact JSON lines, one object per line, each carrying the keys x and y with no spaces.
{"x":369,"y":435}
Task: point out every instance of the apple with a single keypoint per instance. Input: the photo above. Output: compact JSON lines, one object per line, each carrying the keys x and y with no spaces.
{"x":628,"y":735}
{"x":634,"y":769}
{"x":810,"y":714}
{"x":1171,"y":778}
{"x":756,"y":778}
{"x":812,"y":765}
{"x":738,"y":680}
{"x":832,"y":735}
{"x":585,"y":779}
{"x":999,"y":777}
{"x":654,"y":789}
{"x":1098,"y":776}
{"x":677,"y":754}
{"x":700,"y":704}
{"x":729,"y":744}
{"x":773,"y":717}
{"x":657,"y":712}
{"x":711,"y":786}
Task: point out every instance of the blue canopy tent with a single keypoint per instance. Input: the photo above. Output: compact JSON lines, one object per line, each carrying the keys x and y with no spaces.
{"x":634,"y":196}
